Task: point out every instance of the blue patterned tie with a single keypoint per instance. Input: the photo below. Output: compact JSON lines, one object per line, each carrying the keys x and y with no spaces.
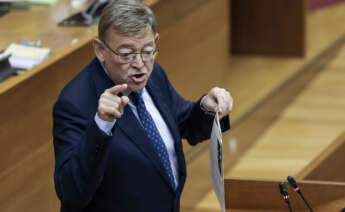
{"x":153,"y":133}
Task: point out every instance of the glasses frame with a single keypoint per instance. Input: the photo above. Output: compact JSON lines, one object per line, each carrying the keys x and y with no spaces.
{"x":120,"y":56}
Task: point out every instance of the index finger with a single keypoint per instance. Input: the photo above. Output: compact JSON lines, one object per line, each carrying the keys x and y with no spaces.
{"x":117,"y":89}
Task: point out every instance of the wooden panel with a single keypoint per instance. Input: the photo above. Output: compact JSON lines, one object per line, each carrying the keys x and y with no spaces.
{"x":28,"y":186}
{"x":329,"y":165}
{"x":40,"y":23}
{"x":264,"y":195}
{"x":274,"y":27}
{"x":169,"y":12}
{"x":27,"y":107}
{"x":27,"y":155}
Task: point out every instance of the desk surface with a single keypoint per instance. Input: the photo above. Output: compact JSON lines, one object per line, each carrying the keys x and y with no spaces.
{"x":40,"y":23}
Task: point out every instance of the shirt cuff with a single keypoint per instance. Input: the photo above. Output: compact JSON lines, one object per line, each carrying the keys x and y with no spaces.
{"x":204,"y":110}
{"x":105,"y":126}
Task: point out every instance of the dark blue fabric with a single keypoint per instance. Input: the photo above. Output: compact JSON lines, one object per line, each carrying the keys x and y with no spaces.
{"x":95,"y":172}
{"x":153,"y":133}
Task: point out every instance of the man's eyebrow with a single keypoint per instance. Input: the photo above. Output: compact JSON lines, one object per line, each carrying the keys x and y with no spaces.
{"x":129,"y":46}
{"x":125,"y":46}
{"x":149,"y":44}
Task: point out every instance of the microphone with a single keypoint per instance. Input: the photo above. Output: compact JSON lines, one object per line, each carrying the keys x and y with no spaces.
{"x":295,"y":187}
{"x":285,"y":194}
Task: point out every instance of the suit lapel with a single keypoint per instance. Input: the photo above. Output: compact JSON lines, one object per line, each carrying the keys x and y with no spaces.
{"x":131,"y":126}
{"x":100,"y":78}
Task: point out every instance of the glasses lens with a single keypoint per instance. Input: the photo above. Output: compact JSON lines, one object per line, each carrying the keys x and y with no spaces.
{"x":126,"y":57}
{"x":147,"y":56}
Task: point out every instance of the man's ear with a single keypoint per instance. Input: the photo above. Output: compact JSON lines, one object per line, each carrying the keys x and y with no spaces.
{"x":99,"y":49}
{"x":156,"y":38}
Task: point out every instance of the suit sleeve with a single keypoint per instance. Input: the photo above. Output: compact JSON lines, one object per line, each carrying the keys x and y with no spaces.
{"x":80,"y":155}
{"x":195,"y":125}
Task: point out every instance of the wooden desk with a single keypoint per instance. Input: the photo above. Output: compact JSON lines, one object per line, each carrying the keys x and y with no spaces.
{"x":328,"y":165}
{"x":40,"y":23}
{"x":245,"y":195}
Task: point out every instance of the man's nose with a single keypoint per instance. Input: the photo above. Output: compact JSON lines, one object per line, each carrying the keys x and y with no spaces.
{"x":138,"y":61}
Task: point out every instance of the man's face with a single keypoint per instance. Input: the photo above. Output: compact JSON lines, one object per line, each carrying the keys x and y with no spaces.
{"x":136,"y":73}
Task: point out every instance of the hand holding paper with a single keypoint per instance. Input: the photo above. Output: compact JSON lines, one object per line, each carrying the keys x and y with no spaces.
{"x":218,"y":100}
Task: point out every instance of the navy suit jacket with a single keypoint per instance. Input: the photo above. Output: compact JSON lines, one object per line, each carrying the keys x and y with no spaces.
{"x":101,"y":173}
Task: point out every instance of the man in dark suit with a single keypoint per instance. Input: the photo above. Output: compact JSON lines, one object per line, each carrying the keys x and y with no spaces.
{"x":118,"y":124}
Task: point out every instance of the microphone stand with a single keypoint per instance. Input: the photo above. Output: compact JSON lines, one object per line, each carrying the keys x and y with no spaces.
{"x":295,"y":187}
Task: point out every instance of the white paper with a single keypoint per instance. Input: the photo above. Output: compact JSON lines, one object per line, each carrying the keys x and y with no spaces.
{"x":26,"y":57}
{"x":31,"y":52}
{"x":216,"y":162}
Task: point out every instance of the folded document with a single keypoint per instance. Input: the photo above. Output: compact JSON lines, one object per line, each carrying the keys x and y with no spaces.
{"x":26,"y":57}
{"x":216,"y":161}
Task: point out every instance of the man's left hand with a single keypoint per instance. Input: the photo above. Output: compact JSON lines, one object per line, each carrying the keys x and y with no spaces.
{"x":218,"y":100}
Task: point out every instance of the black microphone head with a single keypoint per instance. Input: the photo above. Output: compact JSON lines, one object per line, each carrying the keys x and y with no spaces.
{"x":283,"y":189}
{"x":294,"y":185}
{"x":292,"y":182}
{"x":284,"y":192}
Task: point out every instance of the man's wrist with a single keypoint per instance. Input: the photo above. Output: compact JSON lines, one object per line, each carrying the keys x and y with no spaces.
{"x":204,"y":109}
{"x":105,"y":126}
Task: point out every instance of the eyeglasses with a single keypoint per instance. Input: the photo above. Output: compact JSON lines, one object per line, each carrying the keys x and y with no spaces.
{"x":146,"y":56}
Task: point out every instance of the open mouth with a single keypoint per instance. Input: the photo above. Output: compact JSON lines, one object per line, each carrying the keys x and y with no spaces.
{"x":138,"y":77}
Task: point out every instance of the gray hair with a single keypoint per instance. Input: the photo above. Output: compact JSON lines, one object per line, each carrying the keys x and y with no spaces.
{"x":127,"y":17}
